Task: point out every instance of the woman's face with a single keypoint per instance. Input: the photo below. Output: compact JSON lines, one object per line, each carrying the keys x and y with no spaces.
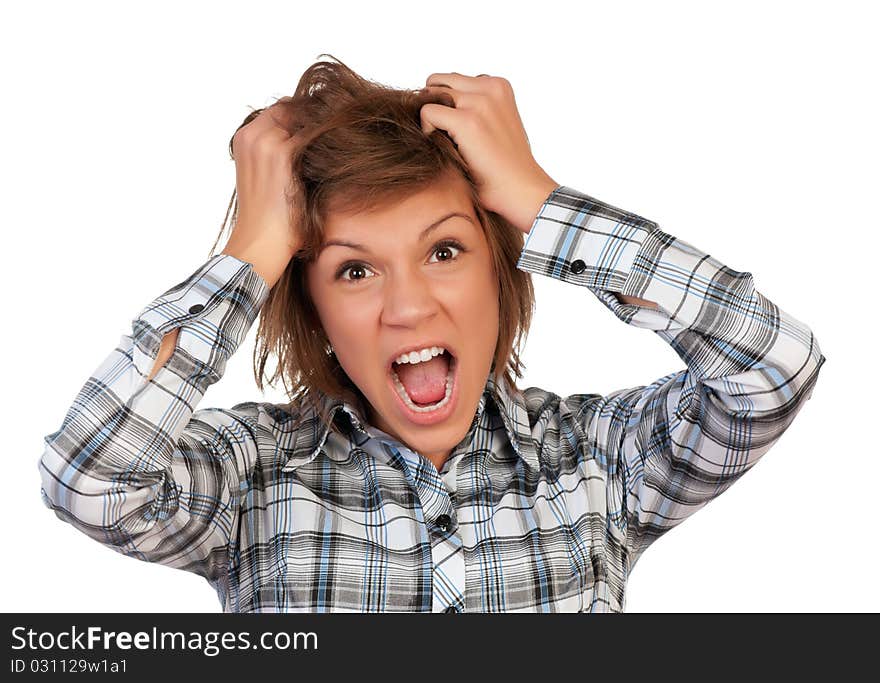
{"x":421,"y":277}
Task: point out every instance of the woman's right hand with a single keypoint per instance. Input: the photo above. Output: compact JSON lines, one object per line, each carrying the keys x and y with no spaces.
{"x":263,"y":234}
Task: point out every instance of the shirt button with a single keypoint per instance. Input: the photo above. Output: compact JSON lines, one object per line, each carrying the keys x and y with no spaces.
{"x":450,"y":610}
{"x":578,"y":266}
{"x":444,"y":522}
{"x":196,"y":309}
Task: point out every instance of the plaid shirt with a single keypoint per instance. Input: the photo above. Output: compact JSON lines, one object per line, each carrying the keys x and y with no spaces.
{"x":545,"y":505}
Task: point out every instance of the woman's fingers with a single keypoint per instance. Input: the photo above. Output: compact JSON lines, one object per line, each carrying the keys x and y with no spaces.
{"x":439,"y":108}
{"x":440,"y":100}
{"x":440,"y":94}
{"x":435,"y":116}
{"x":277,"y":115}
{"x":281,"y":113}
{"x":458,"y":81}
{"x":484,"y":122}
{"x":270,"y":127}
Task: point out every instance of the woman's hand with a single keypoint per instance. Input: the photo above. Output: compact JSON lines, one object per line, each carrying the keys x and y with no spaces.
{"x":483,"y":120}
{"x":263,"y":234}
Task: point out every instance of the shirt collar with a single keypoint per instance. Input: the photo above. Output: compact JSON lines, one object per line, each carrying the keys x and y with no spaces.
{"x":317,"y":420}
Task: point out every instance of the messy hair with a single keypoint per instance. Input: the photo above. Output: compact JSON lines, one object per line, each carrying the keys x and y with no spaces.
{"x":362,"y":148}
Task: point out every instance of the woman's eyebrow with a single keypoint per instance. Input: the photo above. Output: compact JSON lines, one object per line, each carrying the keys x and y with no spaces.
{"x":422,"y":236}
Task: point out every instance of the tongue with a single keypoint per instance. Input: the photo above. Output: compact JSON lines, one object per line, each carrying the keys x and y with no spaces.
{"x":425,"y":382}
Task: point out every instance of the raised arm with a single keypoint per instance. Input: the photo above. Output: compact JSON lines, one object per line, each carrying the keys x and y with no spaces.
{"x":134,"y":465}
{"x":671,"y":446}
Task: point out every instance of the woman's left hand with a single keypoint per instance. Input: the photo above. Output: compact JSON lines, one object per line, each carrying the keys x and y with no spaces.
{"x":484,"y":123}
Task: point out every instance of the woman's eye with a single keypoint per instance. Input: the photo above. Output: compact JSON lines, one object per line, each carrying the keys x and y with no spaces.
{"x":446,"y":247}
{"x":354,"y":267}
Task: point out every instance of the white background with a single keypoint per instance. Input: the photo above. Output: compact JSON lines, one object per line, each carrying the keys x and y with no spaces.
{"x":748,"y":130}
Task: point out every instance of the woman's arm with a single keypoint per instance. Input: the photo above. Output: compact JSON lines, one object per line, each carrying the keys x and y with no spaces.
{"x":670,"y":447}
{"x":635,"y":301}
{"x":132,"y":465}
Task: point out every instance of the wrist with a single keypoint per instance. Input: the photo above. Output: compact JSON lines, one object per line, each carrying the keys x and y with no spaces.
{"x":267,"y":261}
{"x":534,"y":197}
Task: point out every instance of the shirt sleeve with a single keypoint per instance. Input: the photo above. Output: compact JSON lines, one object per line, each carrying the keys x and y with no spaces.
{"x":133,"y":466}
{"x":672,"y":446}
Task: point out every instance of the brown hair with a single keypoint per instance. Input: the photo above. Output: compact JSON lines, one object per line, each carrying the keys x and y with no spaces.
{"x":363,"y":147}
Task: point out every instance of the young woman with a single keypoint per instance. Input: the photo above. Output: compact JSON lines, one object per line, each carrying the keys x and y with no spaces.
{"x":387,"y":239}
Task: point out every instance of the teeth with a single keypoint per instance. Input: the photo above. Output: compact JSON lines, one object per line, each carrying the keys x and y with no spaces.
{"x":419,"y":356}
{"x":423,"y":409}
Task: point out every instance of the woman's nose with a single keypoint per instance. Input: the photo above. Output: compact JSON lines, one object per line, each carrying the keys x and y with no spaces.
{"x":409,"y":299}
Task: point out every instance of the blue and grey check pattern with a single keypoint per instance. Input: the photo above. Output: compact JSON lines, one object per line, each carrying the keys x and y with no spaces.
{"x":545,"y":505}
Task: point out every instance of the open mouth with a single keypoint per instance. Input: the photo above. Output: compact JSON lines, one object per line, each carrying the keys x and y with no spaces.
{"x":431,"y":411}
